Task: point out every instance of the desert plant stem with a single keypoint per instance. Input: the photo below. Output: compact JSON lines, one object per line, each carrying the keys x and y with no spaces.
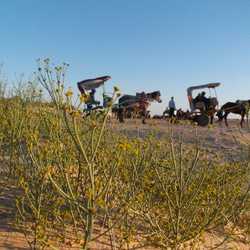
{"x":64,"y":194}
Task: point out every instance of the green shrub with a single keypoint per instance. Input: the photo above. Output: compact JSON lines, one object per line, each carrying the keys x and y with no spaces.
{"x":79,"y":174}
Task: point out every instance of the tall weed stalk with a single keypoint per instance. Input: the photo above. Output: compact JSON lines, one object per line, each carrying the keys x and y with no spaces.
{"x":84,"y":180}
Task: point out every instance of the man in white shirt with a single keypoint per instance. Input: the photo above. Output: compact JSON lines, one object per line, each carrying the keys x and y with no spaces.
{"x":171,"y":106}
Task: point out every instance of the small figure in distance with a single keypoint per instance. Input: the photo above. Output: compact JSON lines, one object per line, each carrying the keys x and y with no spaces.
{"x":171,"y":106}
{"x":92,"y":95}
{"x":92,"y":100}
{"x":205,"y":100}
{"x":197,"y":98}
{"x":165,"y":112}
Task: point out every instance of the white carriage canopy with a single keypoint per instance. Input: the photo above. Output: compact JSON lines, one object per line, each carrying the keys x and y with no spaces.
{"x":90,"y":84}
{"x":190,"y":90}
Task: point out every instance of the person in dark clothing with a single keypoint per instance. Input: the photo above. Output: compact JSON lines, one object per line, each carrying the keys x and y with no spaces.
{"x":205,"y":100}
{"x":197,"y":98}
{"x":92,"y":95}
{"x":92,"y":100}
{"x":171,"y":106}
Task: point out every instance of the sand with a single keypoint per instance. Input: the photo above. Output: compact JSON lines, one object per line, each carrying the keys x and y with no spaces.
{"x":218,"y":140}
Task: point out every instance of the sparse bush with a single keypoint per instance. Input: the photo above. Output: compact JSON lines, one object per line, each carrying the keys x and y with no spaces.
{"x":78,"y":175}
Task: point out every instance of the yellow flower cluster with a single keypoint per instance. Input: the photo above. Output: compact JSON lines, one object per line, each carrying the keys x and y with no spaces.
{"x":69,"y":93}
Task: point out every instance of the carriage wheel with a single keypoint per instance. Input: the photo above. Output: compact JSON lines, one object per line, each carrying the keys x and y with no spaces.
{"x":202,"y":119}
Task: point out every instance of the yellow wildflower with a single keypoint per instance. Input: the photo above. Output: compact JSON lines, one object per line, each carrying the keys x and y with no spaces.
{"x":69,"y":93}
{"x":116,"y":89}
{"x":65,"y":107}
{"x":48,"y":170}
{"x":83,"y":99}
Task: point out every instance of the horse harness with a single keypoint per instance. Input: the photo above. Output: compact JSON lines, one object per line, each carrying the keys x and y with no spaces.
{"x":143,"y":100}
{"x":240,"y":107}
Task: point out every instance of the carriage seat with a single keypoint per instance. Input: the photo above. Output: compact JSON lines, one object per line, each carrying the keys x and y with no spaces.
{"x":91,"y":103}
{"x":213,"y":101}
{"x":200,"y":105}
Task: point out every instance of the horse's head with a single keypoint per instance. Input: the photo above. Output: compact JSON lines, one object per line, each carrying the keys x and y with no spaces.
{"x":156,"y":96}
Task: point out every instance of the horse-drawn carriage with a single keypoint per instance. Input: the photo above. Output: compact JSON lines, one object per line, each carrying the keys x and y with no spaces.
{"x":139,"y":103}
{"x":90,"y":85}
{"x":200,"y":111}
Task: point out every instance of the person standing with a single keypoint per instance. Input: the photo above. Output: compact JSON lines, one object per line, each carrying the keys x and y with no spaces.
{"x":171,"y":106}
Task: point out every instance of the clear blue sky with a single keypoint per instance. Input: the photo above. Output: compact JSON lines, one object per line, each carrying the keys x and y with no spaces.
{"x":144,"y":45}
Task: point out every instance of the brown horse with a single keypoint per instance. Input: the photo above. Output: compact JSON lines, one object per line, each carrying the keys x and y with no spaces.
{"x":138,"y":103}
{"x":238,"y":107}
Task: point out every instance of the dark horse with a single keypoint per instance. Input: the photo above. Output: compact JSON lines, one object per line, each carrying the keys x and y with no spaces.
{"x":238,"y":107}
{"x":138,"y":103}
